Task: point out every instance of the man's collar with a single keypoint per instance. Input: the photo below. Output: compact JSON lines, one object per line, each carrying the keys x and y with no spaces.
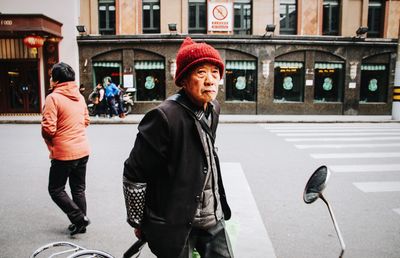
{"x":196,"y":110}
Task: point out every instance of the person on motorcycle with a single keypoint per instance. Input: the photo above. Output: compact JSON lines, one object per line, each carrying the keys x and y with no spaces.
{"x":112,"y":93}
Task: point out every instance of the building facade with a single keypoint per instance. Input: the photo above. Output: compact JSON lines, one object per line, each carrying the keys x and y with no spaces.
{"x":34,"y":36}
{"x":281,"y":56}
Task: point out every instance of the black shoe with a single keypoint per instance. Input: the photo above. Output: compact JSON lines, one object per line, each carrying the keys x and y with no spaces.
{"x":80,"y":226}
{"x":72,"y":228}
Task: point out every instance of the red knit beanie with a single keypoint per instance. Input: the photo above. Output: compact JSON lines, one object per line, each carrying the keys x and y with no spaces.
{"x":191,"y":53}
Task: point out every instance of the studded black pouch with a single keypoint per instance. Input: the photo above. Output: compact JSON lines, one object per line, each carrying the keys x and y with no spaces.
{"x":134,"y":201}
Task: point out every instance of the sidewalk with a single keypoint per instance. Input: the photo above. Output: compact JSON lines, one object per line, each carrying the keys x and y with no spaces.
{"x":135,"y":119}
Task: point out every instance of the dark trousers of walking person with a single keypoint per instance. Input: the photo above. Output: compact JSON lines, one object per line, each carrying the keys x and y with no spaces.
{"x":75,"y":172}
{"x":111,"y":105}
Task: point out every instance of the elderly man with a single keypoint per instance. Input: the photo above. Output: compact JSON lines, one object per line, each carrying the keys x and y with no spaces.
{"x":173,"y":187}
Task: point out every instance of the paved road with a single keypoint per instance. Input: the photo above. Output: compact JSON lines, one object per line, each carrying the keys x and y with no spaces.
{"x":265,"y":168}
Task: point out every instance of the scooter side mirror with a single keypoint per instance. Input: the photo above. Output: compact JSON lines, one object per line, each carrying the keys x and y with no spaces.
{"x":316,"y":184}
{"x":313,"y":190}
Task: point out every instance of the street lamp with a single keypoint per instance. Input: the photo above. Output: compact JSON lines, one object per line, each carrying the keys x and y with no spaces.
{"x":361,"y":31}
{"x":172,"y":28}
{"x":269,"y":30}
{"x":81,"y":29}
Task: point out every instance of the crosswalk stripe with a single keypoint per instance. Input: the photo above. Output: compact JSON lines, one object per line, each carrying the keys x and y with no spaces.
{"x":327,"y":126}
{"x":397,"y":210}
{"x":251,"y":238}
{"x":355,"y":155}
{"x":335,"y":139}
{"x":336,"y":134}
{"x":333,"y":130}
{"x":365,"y":168}
{"x":342,"y":146}
{"x":374,"y":187}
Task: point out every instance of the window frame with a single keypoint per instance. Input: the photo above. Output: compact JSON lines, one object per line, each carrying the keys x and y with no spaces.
{"x":110,"y":28}
{"x":287,"y":30}
{"x":331,"y":28}
{"x":245,"y":20}
{"x":249,"y":71}
{"x":381,"y":95}
{"x":198,"y":28}
{"x":144,"y":93}
{"x":279,"y":78}
{"x":375,"y":25}
{"x":104,"y":69}
{"x":337,"y":72}
{"x":153,"y":28}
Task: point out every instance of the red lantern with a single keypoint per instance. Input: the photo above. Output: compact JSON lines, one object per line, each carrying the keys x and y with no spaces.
{"x":33,"y":41}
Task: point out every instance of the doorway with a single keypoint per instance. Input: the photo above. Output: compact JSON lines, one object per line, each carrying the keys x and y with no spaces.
{"x":19,"y":86}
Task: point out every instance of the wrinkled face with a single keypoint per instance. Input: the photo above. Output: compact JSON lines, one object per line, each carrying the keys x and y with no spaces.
{"x":201,"y":85}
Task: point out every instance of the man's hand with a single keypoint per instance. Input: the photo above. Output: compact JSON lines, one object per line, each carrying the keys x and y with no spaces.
{"x":138,"y":233}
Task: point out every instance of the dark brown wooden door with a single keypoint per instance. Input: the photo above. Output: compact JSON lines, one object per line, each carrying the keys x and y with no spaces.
{"x":19,"y":87}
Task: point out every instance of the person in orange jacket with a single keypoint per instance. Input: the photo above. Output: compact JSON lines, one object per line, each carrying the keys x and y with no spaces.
{"x":64,"y":122}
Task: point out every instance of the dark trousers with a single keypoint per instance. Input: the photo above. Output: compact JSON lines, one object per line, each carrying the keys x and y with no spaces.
{"x":111,"y":105}
{"x":75,"y":171}
{"x":211,"y":243}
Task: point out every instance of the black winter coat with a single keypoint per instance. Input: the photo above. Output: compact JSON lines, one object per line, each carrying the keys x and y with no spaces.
{"x":169,"y":156}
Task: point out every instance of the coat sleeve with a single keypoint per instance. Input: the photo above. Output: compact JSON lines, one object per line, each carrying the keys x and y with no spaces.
{"x":149,"y":154}
{"x":86,"y":113}
{"x":49,"y":119}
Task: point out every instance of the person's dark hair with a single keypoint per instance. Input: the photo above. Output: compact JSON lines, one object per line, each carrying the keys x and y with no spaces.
{"x":62,"y":72}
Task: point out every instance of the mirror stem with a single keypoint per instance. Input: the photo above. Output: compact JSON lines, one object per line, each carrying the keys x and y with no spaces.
{"x":335,"y":224}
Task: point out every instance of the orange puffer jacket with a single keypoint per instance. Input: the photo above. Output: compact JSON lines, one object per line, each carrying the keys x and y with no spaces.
{"x":64,"y":122}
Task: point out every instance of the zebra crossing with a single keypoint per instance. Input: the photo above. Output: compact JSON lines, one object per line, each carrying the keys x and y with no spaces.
{"x":350,"y":148}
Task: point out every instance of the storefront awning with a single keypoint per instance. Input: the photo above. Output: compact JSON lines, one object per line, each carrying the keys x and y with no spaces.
{"x":328,"y":66}
{"x":106,"y":64}
{"x":373,"y":67}
{"x":20,"y":25}
{"x":240,"y":65}
{"x":288,"y":64}
{"x":149,"y":65}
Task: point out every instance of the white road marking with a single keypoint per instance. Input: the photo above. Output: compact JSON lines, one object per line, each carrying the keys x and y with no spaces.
{"x":252,"y":238}
{"x":375,"y":187}
{"x":365,"y":155}
{"x":335,"y":134}
{"x":344,"y":139}
{"x":320,"y":130}
{"x":365,"y":168}
{"x":342,"y":146}
{"x":397,"y":210}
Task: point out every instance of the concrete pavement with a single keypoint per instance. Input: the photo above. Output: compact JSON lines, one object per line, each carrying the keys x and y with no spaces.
{"x":135,"y":119}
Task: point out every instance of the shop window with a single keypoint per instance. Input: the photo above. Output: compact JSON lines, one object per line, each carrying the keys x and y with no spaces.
{"x":242,"y":17}
{"x":330,"y":24}
{"x":151,"y":16}
{"x":241,"y":83}
{"x":150,"y":80}
{"x":288,"y":17}
{"x":105,"y":69}
{"x":374,"y":83}
{"x":107,"y":17}
{"x":289,"y":81}
{"x":197,"y":16}
{"x":329,"y":82}
{"x":375,"y":18}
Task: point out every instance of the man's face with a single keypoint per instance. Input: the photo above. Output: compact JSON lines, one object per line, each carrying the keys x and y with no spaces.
{"x":201,"y":85}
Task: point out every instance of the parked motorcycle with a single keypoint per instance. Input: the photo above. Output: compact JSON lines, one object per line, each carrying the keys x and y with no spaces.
{"x":127,"y":100}
{"x":313,"y":191}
